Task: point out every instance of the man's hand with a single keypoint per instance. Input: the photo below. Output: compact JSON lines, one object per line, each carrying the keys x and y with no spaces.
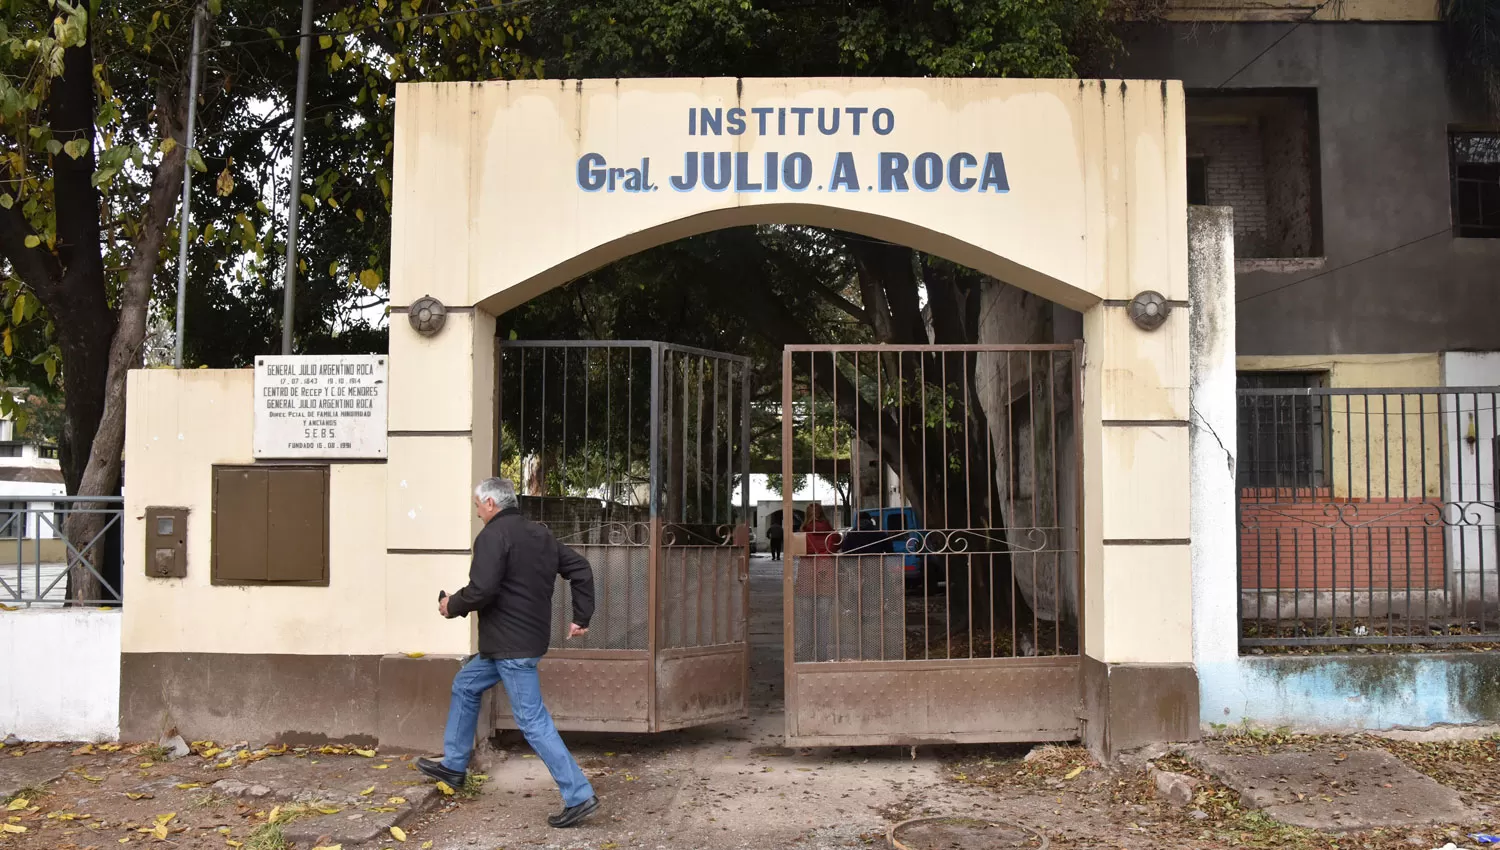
{"x":575,"y":630}
{"x":443,"y":606}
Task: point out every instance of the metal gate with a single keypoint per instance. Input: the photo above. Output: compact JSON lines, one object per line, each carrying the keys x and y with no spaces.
{"x":633,"y":453}
{"x":933,"y":571}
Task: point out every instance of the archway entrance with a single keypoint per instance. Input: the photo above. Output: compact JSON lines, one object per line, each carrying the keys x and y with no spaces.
{"x":931,"y":590}
{"x":1070,"y":190}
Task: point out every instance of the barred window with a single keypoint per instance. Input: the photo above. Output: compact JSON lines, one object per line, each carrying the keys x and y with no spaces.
{"x":1280,"y":435}
{"x":1474,"y":169}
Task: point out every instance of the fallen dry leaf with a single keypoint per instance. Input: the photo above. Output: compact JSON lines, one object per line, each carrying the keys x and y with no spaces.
{"x":445,"y":788}
{"x":86,"y":749}
{"x":396,"y":801}
{"x":89,"y":778}
{"x":369,"y":754}
{"x":13,"y":828}
{"x":398,"y":833}
{"x":414,"y":654}
{"x":368,"y":791}
{"x":134,"y":796}
{"x":329,"y":847}
{"x":186,"y":786}
{"x":1073,"y":774}
{"x":381,"y":766}
{"x":18,"y":804}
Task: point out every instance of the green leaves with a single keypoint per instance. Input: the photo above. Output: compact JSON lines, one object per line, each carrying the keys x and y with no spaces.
{"x":195,"y":160}
{"x":33,"y":241}
{"x":76,"y":148}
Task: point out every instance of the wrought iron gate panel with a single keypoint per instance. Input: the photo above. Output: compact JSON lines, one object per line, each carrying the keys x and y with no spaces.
{"x":939,"y":602}
{"x":633,"y":454}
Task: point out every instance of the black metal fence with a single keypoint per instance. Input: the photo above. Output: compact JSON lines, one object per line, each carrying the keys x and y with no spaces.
{"x":38,"y":548}
{"x":1367,"y":516}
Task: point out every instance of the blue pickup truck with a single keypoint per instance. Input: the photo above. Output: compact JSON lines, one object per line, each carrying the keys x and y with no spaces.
{"x":892,"y":522}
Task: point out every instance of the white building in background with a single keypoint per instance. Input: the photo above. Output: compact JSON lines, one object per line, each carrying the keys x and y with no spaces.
{"x":29,"y":470}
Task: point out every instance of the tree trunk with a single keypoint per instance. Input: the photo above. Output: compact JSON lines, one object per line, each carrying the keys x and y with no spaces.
{"x":101,"y":473}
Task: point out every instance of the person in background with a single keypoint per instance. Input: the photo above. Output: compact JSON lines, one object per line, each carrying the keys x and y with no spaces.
{"x":516,"y":564}
{"x":818,"y":530}
{"x":775,"y":535}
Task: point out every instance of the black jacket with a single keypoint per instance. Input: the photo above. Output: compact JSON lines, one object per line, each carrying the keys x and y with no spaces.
{"x":516,"y":565}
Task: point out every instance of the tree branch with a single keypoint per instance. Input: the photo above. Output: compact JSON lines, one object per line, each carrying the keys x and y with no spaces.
{"x":839,"y":301}
{"x":36,"y":266}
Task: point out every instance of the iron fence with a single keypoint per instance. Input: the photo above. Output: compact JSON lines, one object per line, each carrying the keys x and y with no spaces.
{"x":958,"y":468}
{"x":636,"y":454}
{"x":38,"y":549}
{"x":1367,"y":516}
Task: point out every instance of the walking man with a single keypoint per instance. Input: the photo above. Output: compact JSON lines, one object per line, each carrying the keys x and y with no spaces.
{"x":774,"y":534}
{"x":516,"y":563}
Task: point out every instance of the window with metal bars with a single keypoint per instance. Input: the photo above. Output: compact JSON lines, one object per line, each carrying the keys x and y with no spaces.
{"x":1280,"y":436}
{"x":1474,"y":171}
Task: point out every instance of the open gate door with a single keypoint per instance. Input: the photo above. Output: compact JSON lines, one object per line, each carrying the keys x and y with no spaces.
{"x":636,"y":454}
{"x":932,"y":587}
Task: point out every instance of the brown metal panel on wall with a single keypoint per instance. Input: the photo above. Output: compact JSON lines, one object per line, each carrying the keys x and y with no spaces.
{"x":297,"y":543}
{"x":240,"y":520}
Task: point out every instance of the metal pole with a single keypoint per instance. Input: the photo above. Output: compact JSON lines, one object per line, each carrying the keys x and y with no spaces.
{"x":294,"y":197}
{"x":187,"y":189}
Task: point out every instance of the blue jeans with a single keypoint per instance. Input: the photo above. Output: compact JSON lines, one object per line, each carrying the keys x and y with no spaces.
{"x":525,"y":691}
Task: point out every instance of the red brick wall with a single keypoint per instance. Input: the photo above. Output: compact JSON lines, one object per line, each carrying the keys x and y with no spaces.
{"x":1318,"y":542}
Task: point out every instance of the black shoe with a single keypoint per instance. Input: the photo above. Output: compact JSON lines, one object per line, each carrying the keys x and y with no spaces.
{"x":574,"y":815}
{"x":436,"y":770}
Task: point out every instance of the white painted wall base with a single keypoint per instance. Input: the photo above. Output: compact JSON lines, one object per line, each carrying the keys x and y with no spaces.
{"x":62,"y":675}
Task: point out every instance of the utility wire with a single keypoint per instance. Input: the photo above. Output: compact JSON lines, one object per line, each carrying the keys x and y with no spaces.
{"x":1272,"y":45}
{"x":1327,"y":272}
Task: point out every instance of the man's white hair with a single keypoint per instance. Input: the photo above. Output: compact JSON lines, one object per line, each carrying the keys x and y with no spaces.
{"x":497,"y":490}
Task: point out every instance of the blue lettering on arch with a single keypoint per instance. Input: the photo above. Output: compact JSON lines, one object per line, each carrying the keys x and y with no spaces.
{"x":927,"y":171}
{"x":688,"y":179}
{"x":711,"y":120}
{"x":736,"y":119}
{"x":994,"y":174}
{"x":796,"y":171}
{"x":893,"y":168}
{"x":591,"y":172}
{"x":845,"y":175}
{"x":956,"y":177}
{"x":716,"y":176}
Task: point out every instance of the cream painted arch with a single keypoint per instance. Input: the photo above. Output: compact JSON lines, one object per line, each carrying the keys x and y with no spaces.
{"x":488,"y":211}
{"x":877,"y":227}
{"x":488,"y":208}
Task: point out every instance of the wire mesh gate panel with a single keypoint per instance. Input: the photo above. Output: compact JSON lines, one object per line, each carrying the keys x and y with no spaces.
{"x":931,"y":590}
{"x":636,"y":454}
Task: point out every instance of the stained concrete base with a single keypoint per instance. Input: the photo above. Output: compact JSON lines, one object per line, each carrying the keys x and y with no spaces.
{"x":1363,"y":789}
